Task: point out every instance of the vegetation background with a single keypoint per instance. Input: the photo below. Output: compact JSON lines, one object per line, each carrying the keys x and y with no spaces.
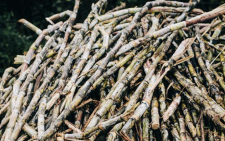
{"x":15,"y":38}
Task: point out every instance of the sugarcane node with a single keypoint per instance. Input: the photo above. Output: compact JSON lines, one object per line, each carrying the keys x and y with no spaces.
{"x":147,"y":101}
{"x":101,"y":127}
{"x":135,"y":117}
{"x":125,"y":118}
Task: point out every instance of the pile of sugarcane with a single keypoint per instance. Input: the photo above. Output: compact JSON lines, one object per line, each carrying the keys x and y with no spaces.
{"x":149,"y":73}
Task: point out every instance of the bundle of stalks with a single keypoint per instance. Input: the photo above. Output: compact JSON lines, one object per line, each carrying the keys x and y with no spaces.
{"x":146,"y":73}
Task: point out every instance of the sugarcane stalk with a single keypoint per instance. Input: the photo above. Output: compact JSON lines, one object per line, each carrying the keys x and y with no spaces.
{"x":144,"y":21}
{"x":182,"y":127}
{"x":6,"y":118}
{"x":23,"y":137}
{"x":155,"y":113}
{"x":78,"y":119}
{"x":37,"y":30}
{"x":135,"y":79}
{"x":188,"y":120}
{"x":4,"y":108}
{"x":5,"y":93}
{"x":222,"y":59}
{"x":41,"y":118}
{"x":164,"y":132}
{"x":171,"y":109}
{"x":174,"y":120}
{"x":30,"y":131}
{"x":113,"y":132}
{"x":121,"y":6}
{"x":162,"y":98}
{"x":69,"y":28}
{"x":175,"y":134}
{"x":145,"y":126}
{"x":218,"y":77}
{"x":6,"y":76}
{"x":71,"y":126}
{"x":55,"y":113}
